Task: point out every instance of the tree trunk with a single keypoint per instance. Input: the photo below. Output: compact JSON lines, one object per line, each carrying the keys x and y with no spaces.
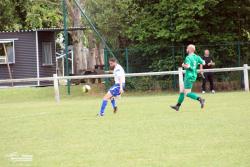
{"x":92,"y":52}
{"x":80,"y":59}
{"x":100,"y":55}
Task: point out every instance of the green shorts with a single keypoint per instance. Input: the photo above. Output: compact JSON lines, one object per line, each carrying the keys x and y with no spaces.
{"x":188,"y":84}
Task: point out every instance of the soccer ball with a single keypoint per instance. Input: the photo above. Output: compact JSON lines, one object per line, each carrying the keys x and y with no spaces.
{"x":86,"y":88}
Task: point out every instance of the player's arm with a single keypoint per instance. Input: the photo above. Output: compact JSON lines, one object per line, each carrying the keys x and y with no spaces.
{"x":201,"y":69}
{"x":201,"y":63}
{"x":109,"y":72}
{"x":186,"y":64}
{"x":119,"y":74}
{"x":211,"y":63}
{"x":121,"y":87}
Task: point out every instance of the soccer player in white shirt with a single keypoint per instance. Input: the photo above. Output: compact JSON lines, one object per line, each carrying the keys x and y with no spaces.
{"x":117,"y":89}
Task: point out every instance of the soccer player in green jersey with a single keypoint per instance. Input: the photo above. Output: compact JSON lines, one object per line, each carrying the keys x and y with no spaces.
{"x":191,"y":63}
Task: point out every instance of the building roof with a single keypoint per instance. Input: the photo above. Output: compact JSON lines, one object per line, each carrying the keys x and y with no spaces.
{"x":47,"y":29}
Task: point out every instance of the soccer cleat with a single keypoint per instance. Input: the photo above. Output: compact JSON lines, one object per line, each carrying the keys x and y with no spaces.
{"x":100,"y":115}
{"x":202,"y":102}
{"x":115,"y":110}
{"x":176,"y":108}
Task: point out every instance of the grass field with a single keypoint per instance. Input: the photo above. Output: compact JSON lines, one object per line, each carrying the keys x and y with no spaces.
{"x":145,"y":133}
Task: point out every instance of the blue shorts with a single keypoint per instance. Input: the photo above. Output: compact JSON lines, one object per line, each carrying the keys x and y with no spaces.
{"x":115,"y":90}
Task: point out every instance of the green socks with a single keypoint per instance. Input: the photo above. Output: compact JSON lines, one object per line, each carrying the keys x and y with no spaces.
{"x":181,"y":98}
{"x":193,"y":96}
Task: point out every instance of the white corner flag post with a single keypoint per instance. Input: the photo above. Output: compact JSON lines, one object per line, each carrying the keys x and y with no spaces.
{"x":246,"y":79}
{"x":56,"y":88}
{"x":181,"y":83}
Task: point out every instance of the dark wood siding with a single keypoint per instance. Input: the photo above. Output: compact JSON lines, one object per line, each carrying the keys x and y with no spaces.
{"x":25,"y":56}
{"x":47,"y":71}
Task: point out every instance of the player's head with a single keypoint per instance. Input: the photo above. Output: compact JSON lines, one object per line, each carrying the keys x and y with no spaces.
{"x":112,"y":63}
{"x":190,"y":48}
{"x":206,"y":52}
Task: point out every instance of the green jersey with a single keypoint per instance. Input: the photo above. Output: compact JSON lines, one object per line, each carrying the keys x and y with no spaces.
{"x":193,"y":61}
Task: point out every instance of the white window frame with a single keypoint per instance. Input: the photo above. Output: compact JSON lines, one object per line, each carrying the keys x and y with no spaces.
{"x":51,"y":58}
{"x":4,"y":41}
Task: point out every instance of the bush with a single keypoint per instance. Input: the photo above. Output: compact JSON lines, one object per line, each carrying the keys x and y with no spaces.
{"x":156,"y":83}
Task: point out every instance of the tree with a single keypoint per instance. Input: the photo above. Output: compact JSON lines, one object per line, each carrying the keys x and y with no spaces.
{"x":80,"y":62}
{"x":29,"y":14}
{"x":9,"y":16}
{"x":43,"y":14}
{"x":152,"y":25}
{"x":111,"y":19}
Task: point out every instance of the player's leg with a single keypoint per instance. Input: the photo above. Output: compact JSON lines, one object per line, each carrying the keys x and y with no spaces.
{"x":211,"y":81}
{"x":188,"y":92}
{"x":180,"y":99}
{"x":114,"y":105}
{"x":115,"y":91}
{"x":204,"y":81}
{"x":104,"y":103}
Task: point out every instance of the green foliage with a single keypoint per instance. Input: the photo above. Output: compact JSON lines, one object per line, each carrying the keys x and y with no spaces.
{"x":29,"y":14}
{"x":183,"y":21}
{"x":111,"y":18}
{"x":8,"y":19}
{"x":44,"y":13}
{"x":151,"y":27}
{"x":149,"y":84}
{"x":155,"y":25}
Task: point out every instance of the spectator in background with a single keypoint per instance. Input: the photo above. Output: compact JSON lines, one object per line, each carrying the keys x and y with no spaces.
{"x":208,"y":76}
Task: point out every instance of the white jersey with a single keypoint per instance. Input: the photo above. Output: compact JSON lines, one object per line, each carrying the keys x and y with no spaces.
{"x":119,"y":73}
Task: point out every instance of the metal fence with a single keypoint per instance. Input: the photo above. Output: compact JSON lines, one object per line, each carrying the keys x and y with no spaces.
{"x":171,"y":57}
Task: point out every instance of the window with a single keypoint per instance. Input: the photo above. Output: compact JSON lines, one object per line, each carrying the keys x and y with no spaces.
{"x":7,"y":52}
{"x":47,"y":53}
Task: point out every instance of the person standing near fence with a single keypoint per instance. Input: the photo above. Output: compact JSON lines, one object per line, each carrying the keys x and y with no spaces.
{"x":208,"y":76}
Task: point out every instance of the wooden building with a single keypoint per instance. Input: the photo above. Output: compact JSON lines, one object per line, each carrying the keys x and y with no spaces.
{"x":31,"y":54}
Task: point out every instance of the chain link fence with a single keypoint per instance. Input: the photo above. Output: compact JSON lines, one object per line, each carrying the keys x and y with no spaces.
{"x":169,"y":58}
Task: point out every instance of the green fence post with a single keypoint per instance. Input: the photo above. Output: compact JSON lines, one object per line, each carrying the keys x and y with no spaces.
{"x":105,"y":59}
{"x":127,"y":63}
{"x":66,"y":43}
{"x":173,"y":56}
{"x":106,"y":65}
{"x":239,"y":62}
{"x":183,"y":52}
{"x":239,"y":53}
